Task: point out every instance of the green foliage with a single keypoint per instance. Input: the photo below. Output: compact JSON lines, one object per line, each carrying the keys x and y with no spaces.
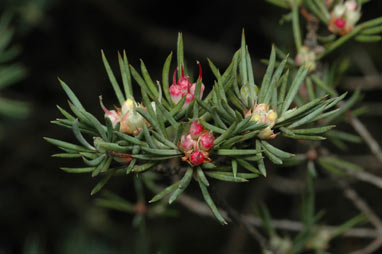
{"x":240,"y":136}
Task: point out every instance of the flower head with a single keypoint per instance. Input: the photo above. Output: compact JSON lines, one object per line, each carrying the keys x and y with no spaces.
{"x":196,"y":143}
{"x":131,"y":122}
{"x":344,"y":16}
{"x":183,"y":87}
{"x":261,"y":113}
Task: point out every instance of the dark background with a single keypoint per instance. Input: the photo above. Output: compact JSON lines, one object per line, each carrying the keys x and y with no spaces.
{"x":44,"y":208}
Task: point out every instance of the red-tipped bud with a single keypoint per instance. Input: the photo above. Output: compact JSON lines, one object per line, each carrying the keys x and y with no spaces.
{"x":195,"y":129}
{"x":197,"y":158}
{"x":207,"y":141}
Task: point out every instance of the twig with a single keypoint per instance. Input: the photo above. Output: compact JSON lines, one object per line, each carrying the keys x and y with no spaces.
{"x":368,"y":82}
{"x":366,"y":136}
{"x":202,"y":209}
{"x":373,"y":218}
{"x":239,"y":219}
{"x":364,"y":176}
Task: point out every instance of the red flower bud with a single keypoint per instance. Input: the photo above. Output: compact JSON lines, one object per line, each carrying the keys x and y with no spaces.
{"x":195,"y":129}
{"x":207,"y":141}
{"x":187,"y":143}
{"x":197,"y":158}
{"x":340,"y":23}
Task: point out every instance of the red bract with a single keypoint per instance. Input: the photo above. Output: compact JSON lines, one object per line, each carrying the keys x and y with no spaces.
{"x":197,"y":158}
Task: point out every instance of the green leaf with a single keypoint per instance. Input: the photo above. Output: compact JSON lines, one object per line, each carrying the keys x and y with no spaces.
{"x":344,"y":136}
{"x":96,"y":124}
{"x":66,"y":155}
{"x":312,"y":131}
{"x":144,"y":167}
{"x":225,"y":135}
{"x":279,"y":153}
{"x":78,"y":135}
{"x":296,"y":25}
{"x":211,"y":127}
{"x":165,"y":78}
{"x":102,"y":167}
{"x":308,"y":118}
{"x":243,"y":60}
{"x":165,"y":192}
{"x":260,"y":163}
{"x":359,"y":219}
{"x":201,"y":176}
{"x":295,"y":86}
{"x":148,"y":137}
{"x":226,"y":176}
{"x":113,"y":80}
{"x":211,"y":203}
{"x":149,"y":82}
{"x":126,"y":76}
{"x":183,"y":184}
{"x":165,"y":152}
{"x":138,"y":78}
{"x":108,"y":146}
{"x":119,"y":205}
{"x":73,"y":98}
{"x":272,"y":88}
{"x":304,"y":137}
{"x":151,"y":120}
{"x":245,"y":164}
{"x":267,"y":77}
{"x":368,"y":38}
{"x":275,"y":159}
{"x":234,"y":168}
{"x":101,"y":183}
{"x":180,"y":54}
{"x":66,"y":145}
{"x":65,"y":113}
{"x":130,"y":139}
{"x":236,"y":152}
{"x":94,"y":162}
{"x":321,"y":84}
{"x":78,"y":170}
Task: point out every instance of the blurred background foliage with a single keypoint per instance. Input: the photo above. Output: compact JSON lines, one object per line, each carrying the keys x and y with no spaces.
{"x":45,"y":210}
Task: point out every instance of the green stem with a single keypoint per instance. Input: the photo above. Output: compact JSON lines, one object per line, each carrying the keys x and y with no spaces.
{"x":296,"y":26}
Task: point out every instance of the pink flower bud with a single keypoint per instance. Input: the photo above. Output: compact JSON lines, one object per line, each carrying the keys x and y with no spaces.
{"x":183,"y":87}
{"x":207,"y":141}
{"x":184,"y":82}
{"x":111,"y":114}
{"x":340,"y":23}
{"x":187,"y":143}
{"x":195,"y":129}
{"x":197,"y":158}
{"x":175,"y":93}
{"x":193,"y":87}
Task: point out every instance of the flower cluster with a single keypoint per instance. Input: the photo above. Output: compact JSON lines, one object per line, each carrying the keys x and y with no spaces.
{"x":307,"y":57}
{"x":261,"y":113}
{"x":131,"y":122}
{"x":344,"y":16}
{"x":184,"y":87}
{"x":196,"y":143}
